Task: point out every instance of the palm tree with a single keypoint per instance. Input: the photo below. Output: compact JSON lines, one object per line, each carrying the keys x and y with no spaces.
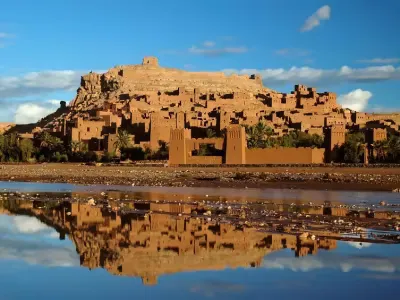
{"x":381,"y":148}
{"x":123,"y":140}
{"x":354,"y":147}
{"x":47,"y":141}
{"x":76,"y":146}
{"x":210,"y":133}
{"x":394,"y":147}
{"x":258,"y":135}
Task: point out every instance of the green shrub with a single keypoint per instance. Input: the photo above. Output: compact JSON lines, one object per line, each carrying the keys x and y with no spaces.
{"x":55,"y":157}
{"x":108,"y":157}
{"x":63,"y":158}
{"x":91,"y":157}
{"x":133,"y":153}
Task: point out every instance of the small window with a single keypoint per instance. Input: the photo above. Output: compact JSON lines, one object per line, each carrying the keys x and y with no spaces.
{"x":88,"y":129}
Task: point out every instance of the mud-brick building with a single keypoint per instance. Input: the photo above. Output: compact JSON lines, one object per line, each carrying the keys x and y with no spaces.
{"x":235,"y":152}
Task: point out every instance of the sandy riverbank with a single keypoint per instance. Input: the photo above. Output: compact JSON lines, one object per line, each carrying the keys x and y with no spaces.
{"x":329,"y":178}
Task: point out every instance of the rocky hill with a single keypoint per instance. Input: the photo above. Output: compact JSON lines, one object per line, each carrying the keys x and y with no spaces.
{"x":126,"y":82}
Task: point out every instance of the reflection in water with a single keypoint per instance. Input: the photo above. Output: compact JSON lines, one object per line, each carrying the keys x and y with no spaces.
{"x":147,"y":239}
{"x":181,"y":245}
{"x":150,"y":245}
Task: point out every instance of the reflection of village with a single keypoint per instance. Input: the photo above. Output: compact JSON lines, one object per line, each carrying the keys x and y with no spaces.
{"x":151,"y":239}
{"x":154,"y":244}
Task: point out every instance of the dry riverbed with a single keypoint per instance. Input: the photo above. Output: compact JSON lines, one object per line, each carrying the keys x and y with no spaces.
{"x":329,"y":178}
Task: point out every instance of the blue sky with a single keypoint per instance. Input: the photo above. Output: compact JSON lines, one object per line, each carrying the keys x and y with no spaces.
{"x":349,"y":47}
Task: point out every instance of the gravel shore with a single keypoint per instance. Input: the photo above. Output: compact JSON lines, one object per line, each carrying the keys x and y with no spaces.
{"x":327,"y":178}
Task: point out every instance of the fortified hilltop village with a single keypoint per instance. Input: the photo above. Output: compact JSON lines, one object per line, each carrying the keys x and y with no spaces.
{"x":159,"y":106}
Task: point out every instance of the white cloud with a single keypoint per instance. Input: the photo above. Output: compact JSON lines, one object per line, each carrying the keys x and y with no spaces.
{"x":25,"y":238}
{"x":38,"y":83}
{"x":217,"y":51}
{"x":392,"y":60}
{"x":34,"y":254}
{"x":27,"y":113}
{"x":210,"y":48}
{"x":332,"y":261}
{"x":26,"y":224}
{"x":3,"y":35}
{"x":355,"y":100}
{"x":323,"y":13}
{"x":292,"y":52}
{"x":209,"y":44}
{"x":307,"y":75}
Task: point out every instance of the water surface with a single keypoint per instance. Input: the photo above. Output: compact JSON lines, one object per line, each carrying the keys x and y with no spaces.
{"x":159,"y":243}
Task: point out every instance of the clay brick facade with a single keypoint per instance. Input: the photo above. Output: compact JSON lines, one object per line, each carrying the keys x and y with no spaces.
{"x":236,"y":151}
{"x":335,"y":137}
{"x":148,"y":101}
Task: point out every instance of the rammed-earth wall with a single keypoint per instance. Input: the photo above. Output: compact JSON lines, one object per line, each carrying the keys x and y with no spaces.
{"x":285,"y":156}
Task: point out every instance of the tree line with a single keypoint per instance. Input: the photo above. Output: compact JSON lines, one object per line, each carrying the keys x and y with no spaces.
{"x":262,"y":136}
{"x":352,"y":151}
{"x":48,"y":148}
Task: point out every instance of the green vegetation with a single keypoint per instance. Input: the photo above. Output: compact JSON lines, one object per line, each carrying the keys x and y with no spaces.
{"x":138,"y":153}
{"x":388,"y":151}
{"x":261,"y":136}
{"x":44,"y":148}
{"x":352,"y":150}
{"x":12,"y":149}
{"x":48,"y":148}
{"x":208,"y":150}
{"x":123,"y":140}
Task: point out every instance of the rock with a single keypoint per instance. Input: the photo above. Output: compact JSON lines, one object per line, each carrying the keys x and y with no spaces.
{"x":91,"y":201}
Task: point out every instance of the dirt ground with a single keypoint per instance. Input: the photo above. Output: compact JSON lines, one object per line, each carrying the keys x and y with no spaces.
{"x":329,"y":178}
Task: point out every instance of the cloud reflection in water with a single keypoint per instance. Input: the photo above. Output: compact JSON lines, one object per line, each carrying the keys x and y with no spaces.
{"x":27,"y":239}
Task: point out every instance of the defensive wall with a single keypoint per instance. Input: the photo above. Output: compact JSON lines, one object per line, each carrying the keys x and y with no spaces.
{"x":235,"y":151}
{"x":285,"y":156}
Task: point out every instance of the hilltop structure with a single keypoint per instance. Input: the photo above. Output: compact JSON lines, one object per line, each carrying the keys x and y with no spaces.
{"x":152,"y":102}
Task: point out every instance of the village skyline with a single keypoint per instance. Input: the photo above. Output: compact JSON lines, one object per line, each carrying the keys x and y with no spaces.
{"x":329,"y":45}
